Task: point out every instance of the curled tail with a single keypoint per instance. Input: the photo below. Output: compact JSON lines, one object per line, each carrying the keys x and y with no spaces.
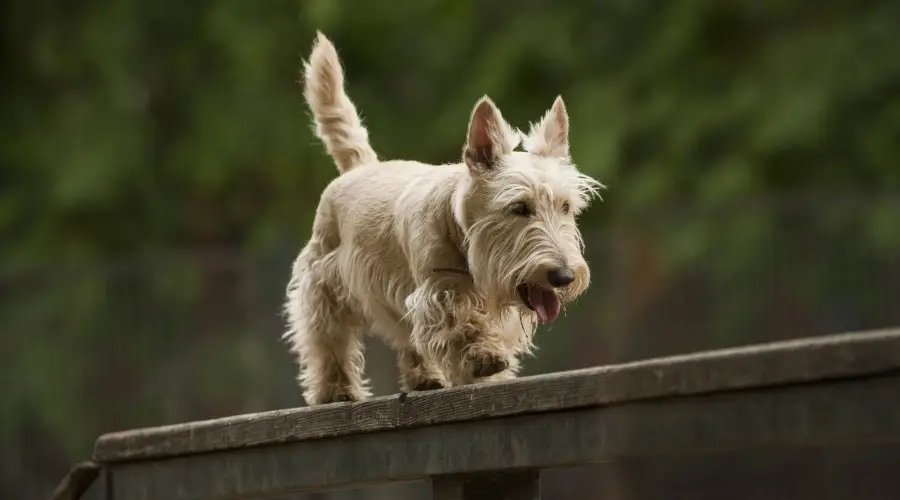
{"x":337,"y":123}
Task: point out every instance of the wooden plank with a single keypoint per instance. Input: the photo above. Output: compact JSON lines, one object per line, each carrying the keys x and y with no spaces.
{"x":80,"y":482}
{"x":516,"y":485}
{"x":835,"y":413}
{"x":820,"y":358}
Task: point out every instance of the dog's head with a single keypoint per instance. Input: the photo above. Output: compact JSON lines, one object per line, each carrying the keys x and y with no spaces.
{"x":518,"y":211}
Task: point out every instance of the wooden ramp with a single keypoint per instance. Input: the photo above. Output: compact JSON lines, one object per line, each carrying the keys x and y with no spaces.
{"x":492,"y":440}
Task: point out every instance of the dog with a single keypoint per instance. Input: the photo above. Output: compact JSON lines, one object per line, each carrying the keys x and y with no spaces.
{"x":451,"y":265}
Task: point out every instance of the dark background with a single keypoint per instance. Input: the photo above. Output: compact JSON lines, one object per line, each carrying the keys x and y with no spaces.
{"x":158,"y":174}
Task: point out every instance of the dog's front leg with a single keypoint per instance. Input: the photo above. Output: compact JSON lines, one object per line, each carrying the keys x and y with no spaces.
{"x":451,"y":329}
{"x":417,"y":374}
{"x":512,"y":364}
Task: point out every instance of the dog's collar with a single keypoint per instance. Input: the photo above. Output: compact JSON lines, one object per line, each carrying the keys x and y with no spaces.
{"x":464,"y":272}
{"x":457,"y":238}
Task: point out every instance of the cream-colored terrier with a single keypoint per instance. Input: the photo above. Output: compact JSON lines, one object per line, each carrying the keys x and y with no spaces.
{"x":450,"y":264}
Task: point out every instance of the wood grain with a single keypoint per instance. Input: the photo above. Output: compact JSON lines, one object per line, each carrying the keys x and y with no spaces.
{"x":843,"y":413}
{"x":802,"y":361}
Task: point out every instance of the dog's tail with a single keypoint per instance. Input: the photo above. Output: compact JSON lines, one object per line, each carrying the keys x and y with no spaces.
{"x":337,"y":123}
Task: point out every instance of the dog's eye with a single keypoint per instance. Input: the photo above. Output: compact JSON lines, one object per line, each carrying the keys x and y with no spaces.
{"x":520,"y":209}
{"x":565,"y":208}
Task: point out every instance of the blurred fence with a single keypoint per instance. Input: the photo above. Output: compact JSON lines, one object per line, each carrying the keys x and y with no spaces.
{"x":183,"y":336}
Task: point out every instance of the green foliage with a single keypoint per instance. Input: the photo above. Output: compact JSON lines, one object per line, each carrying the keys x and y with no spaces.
{"x":152,"y":125}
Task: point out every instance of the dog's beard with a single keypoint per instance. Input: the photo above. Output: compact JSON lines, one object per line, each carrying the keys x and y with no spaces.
{"x":505,"y":277}
{"x":496,"y":273}
{"x":508,"y":278}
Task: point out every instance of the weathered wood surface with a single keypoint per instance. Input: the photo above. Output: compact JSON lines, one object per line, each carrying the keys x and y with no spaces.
{"x":829,"y":413}
{"x":769,"y":365}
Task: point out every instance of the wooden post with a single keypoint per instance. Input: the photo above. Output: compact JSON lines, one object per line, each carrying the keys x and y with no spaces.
{"x":520,"y":485}
{"x":77,"y":481}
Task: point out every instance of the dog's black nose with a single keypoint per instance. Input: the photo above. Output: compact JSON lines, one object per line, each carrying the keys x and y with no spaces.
{"x":560,"y":277}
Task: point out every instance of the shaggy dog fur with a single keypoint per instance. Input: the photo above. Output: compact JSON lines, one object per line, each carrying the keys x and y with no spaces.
{"x":451,"y":265}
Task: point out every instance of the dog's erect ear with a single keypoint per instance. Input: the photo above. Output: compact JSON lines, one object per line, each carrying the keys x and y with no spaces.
{"x":489,"y":137}
{"x":550,"y":136}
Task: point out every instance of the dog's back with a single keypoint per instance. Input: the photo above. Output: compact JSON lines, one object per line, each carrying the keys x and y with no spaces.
{"x":373,"y":209}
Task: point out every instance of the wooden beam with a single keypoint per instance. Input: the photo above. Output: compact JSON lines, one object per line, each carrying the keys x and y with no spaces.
{"x":761,"y":366}
{"x":77,"y":482}
{"x":852,"y":412}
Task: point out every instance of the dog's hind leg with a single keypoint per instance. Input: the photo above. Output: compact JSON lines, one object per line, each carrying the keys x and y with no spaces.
{"x":324,"y":333}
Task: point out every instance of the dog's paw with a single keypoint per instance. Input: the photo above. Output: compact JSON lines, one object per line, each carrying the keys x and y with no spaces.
{"x":485,"y":364}
{"x":497,"y":377}
{"x":342,"y":397}
{"x":429,"y":385}
{"x":324,"y":394}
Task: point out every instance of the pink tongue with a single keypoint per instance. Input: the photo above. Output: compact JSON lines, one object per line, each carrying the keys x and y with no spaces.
{"x":544,"y":302}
